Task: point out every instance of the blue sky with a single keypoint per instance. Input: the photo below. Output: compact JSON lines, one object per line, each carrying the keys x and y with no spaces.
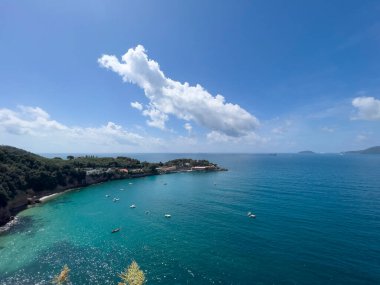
{"x":294,"y":75}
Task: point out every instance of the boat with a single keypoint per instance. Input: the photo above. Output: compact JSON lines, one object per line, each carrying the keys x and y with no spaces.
{"x":250,"y":215}
{"x":116,"y":199}
{"x":130,"y":183}
{"x":132,"y":206}
{"x":115,"y":230}
{"x":167,"y":216}
{"x":107,"y":196}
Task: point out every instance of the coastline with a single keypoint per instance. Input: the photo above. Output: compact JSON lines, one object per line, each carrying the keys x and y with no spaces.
{"x":8,"y":226}
{"x":50,"y":195}
{"x":44,"y":199}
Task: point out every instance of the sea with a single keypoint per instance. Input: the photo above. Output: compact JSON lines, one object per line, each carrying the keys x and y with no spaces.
{"x":317,"y":222}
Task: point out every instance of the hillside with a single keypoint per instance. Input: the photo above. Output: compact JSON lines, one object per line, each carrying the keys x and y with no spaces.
{"x":25,"y":177}
{"x":371,"y":150}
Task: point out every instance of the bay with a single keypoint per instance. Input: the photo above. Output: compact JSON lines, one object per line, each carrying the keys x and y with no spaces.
{"x":317,"y":222}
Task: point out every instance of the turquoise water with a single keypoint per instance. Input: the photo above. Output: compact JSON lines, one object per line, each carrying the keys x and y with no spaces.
{"x":318,"y":222}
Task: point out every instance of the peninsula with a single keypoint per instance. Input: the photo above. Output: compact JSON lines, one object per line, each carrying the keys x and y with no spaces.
{"x":371,"y":150}
{"x":26,"y":177}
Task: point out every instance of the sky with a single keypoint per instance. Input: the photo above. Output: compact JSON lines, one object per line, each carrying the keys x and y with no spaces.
{"x":189,"y":76}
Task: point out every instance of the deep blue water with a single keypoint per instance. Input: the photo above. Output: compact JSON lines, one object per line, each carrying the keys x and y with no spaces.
{"x":318,"y":222}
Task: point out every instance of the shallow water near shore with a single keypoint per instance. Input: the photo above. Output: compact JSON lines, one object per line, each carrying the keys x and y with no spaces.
{"x":318,"y":222}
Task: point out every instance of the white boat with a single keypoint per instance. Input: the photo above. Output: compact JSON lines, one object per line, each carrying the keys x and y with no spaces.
{"x":116,"y":199}
{"x":168,"y":216}
{"x":250,"y":215}
{"x":130,"y":183}
{"x":132,"y":206}
{"x":115,"y":230}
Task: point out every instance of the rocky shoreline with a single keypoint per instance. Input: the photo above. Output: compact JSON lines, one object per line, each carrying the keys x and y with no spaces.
{"x":8,"y":214}
{"x":23,"y":201}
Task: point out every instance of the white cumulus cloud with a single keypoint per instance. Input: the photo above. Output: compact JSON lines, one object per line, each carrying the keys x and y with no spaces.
{"x":28,"y":120}
{"x":137,"y":105}
{"x":157,"y":118}
{"x":170,"y":97}
{"x":368,"y":108}
{"x":34,"y":123}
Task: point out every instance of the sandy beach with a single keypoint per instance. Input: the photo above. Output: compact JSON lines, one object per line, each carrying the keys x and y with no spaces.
{"x":47,"y":198}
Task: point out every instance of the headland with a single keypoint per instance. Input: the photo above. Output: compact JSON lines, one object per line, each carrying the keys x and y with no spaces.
{"x":27,"y":179}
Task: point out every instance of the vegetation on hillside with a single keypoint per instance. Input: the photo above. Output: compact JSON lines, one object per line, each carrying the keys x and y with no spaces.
{"x":22,"y":172}
{"x":187,"y":162}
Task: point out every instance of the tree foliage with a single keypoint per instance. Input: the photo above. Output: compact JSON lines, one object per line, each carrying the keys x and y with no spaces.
{"x":22,"y":171}
{"x":132,"y":275}
{"x":187,"y":162}
{"x":63,"y":277}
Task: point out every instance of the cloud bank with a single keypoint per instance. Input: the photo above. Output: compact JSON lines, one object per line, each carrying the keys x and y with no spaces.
{"x":28,"y":120}
{"x":34,"y":122}
{"x":368,"y":108}
{"x":169,"y":97}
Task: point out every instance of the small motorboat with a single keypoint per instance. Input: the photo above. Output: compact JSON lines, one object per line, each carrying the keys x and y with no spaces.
{"x":116,"y":199}
{"x":115,"y":230}
{"x":132,"y":206}
{"x":130,"y":183}
{"x":251,"y":215}
{"x":168,"y":216}
{"x":107,"y":196}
